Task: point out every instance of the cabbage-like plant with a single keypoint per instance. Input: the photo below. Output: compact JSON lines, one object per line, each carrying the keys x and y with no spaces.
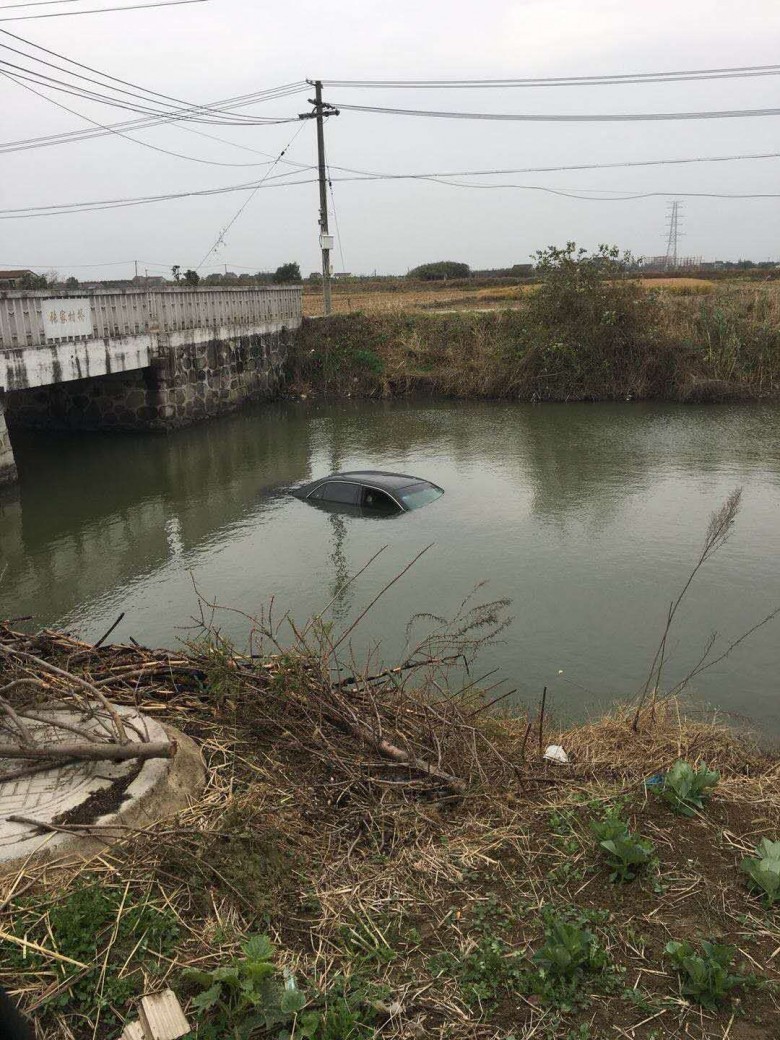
{"x":625,"y":852}
{"x":687,"y":788}
{"x":763,"y":870}
{"x":705,"y":977}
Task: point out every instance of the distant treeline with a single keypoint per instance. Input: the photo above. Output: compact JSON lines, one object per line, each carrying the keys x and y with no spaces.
{"x":449,"y":272}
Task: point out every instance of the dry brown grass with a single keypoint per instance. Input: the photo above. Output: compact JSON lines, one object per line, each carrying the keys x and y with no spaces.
{"x":350,"y":298}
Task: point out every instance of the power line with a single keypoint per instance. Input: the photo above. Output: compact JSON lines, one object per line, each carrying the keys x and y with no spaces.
{"x":611,"y":117}
{"x":561,"y":81}
{"x":189,"y":107}
{"x":77,"y":136}
{"x":284,"y":181}
{"x":119,"y":133}
{"x":369,"y":175}
{"x":100,"y":10}
{"x":336,"y":220}
{"x":39,"y":3}
{"x":77,"y":90}
{"x":221,"y":236}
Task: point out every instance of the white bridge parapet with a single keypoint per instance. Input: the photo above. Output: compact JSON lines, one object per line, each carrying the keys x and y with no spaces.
{"x":52,"y":337}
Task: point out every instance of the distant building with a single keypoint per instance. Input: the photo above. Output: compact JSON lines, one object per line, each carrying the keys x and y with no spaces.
{"x":12,"y":279}
{"x":342,"y":274}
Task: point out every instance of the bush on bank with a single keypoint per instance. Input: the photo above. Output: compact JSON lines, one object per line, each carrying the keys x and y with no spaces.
{"x":590,"y":331}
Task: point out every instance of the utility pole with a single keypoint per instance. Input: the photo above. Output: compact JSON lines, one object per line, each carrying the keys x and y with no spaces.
{"x":136,"y":269}
{"x":321,"y":110}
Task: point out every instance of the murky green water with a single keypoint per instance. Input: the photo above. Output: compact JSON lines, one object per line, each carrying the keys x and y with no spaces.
{"x":587,"y":516}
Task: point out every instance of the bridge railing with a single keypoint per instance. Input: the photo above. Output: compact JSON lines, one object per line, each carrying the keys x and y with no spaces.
{"x":40,"y":317}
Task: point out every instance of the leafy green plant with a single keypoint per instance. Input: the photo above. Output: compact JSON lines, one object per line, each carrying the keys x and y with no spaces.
{"x":568,"y":951}
{"x":687,"y":788}
{"x":763,"y":870}
{"x":626,"y":852}
{"x":569,"y":954}
{"x":705,"y":977}
{"x":248,"y":995}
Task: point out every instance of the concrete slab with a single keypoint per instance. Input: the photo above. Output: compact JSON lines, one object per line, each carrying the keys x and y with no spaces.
{"x":98,"y":793}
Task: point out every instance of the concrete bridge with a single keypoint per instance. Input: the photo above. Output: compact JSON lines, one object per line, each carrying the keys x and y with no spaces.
{"x":137,"y":359}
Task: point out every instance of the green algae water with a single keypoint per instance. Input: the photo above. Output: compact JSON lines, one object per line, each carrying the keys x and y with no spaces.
{"x":587,"y":516}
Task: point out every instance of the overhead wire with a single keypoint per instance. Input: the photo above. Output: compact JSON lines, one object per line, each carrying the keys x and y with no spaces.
{"x":120,"y":133}
{"x":136,"y":89}
{"x":39,"y":3}
{"x":192,"y":113}
{"x":541,"y":117}
{"x":101,"y":10}
{"x":133,"y":125}
{"x":221,"y":236}
{"x":674,"y":76}
{"x":285,"y":180}
{"x":335,"y":216}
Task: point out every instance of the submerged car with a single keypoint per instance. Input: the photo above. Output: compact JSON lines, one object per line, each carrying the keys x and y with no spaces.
{"x":371,"y":490}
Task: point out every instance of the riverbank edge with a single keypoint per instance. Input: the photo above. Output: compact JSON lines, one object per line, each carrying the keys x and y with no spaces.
{"x":487,"y":355}
{"x":404,"y":894}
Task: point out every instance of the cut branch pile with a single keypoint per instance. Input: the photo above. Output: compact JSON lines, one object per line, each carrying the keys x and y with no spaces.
{"x":39,"y":697}
{"x":371,"y":726}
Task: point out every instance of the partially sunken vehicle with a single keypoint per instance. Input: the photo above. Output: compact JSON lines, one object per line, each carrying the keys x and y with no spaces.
{"x":371,"y":490}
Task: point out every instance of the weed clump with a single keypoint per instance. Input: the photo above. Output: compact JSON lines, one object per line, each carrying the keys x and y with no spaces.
{"x":247,"y":995}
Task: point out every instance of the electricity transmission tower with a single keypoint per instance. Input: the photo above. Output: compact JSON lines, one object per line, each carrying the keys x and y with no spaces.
{"x":673,"y":224}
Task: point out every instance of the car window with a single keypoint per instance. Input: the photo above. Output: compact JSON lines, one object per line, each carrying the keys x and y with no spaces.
{"x":374,"y":499}
{"x":417,"y":495}
{"x":341,"y":491}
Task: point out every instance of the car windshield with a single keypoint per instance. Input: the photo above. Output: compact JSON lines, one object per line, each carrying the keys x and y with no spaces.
{"x":419,"y":495}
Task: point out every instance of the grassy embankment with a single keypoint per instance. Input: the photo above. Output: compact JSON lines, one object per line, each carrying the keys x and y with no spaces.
{"x":421,"y":870}
{"x":583,"y":333}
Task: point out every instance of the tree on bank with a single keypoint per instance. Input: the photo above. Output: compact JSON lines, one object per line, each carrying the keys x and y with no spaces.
{"x":191,"y":277}
{"x":439,"y":271}
{"x":590,"y":323}
{"x":287,"y":274}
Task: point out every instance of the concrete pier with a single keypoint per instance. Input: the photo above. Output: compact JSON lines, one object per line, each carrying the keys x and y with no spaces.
{"x":7,"y":463}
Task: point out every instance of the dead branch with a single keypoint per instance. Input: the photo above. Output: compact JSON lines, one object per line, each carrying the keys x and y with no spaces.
{"x":90,"y":752}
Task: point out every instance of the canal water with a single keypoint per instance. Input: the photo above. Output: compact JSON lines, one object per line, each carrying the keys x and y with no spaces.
{"x":588,"y":517}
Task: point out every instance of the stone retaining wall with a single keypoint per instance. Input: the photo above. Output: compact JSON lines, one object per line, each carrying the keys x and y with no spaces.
{"x":199,"y":379}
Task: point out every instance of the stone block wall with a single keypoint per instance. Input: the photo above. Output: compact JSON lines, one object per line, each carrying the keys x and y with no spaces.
{"x":118,"y":402}
{"x":187,"y":382}
{"x":7,"y":463}
{"x":196,"y":380}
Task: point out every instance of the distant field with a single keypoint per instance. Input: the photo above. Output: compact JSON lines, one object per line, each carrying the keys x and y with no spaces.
{"x":371,"y":300}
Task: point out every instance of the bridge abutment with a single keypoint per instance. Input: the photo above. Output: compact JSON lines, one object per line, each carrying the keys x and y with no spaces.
{"x":138,"y":359}
{"x":7,"y":461}
{"x":208,"y":376}
{"x":186,"y":382}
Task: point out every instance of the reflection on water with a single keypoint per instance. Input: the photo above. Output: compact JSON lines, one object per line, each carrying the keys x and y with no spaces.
{"x":587,"y":516}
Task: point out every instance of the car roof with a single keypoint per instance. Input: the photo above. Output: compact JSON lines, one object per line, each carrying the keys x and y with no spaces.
{"x":376,"y":478}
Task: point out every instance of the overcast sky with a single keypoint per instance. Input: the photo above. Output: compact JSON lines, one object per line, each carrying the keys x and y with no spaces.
{"x":205,"y":52}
